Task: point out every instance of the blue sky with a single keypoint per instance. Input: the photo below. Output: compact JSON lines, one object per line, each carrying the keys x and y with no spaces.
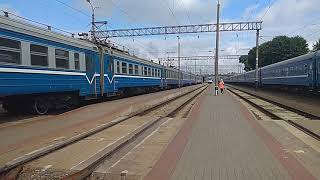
{"x":280,"y":17}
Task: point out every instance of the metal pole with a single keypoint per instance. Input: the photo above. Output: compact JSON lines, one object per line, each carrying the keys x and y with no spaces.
{"x":195,"y":66}
{"x":92,"y":22}
{"x":217,"y":52}
{"x":257,"y":62}
{"x":92,"y":26}
{"x":179,"y":61}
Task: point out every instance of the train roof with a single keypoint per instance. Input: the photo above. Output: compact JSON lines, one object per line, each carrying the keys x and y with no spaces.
{"x":295,"y":59}
{"x":36,"y":31}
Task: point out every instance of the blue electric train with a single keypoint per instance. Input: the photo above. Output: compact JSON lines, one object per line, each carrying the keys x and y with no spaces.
{"x":301,"y":72}
{"x":40,"y":69}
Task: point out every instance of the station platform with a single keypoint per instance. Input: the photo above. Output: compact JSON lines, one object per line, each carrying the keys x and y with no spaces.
{"x":222,"y":140}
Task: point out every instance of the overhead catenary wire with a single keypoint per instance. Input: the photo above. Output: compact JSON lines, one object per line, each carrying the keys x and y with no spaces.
{"x":271,"y":2}
{"x":75,"y":9}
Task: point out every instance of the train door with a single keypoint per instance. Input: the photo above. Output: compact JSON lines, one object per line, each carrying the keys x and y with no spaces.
{"x":109,"y":69}
{"x":317,"y":70}
{"x":91,"y":75}
{"x":312,"y":73}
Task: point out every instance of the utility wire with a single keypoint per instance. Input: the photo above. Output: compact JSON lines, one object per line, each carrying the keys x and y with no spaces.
{"x":270,"y":5}
{"x":135,"y":21}
{"x":75,"y":9}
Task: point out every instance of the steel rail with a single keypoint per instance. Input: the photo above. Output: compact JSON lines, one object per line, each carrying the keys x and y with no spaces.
{"x":87,"y":170}
{"x":20,"y":161}
{"x":273,"y":115}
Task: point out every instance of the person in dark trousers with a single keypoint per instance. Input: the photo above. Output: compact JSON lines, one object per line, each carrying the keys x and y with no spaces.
{"x":221,"y":86}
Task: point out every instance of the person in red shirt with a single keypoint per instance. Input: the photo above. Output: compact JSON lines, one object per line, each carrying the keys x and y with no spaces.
{"x":221,"y":86}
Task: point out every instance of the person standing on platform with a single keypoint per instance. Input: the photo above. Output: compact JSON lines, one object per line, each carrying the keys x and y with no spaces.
{"x":221,"y":86}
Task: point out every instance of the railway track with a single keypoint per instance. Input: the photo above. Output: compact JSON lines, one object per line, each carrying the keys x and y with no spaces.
{"x":277,"y":111}
{"x":152,"y":116}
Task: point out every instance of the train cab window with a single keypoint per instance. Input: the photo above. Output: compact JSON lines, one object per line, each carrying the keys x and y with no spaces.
{"x":62,"y":59}
{"x":76,"y":61}
{"x":10,"y":51}
{"x":124,"y":68}
{"x":136,"y":69}
{"x":130,"y":69}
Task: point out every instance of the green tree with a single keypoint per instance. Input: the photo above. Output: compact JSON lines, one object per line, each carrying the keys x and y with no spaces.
{"x":278,"y":49}
{"x":316,"y":46}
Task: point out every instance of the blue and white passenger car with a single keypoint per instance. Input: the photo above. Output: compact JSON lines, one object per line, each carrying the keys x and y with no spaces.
{"x":301,"y":72}
{"x":40,"y":69}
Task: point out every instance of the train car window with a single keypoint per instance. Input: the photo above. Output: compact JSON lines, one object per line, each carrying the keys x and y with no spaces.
{"x":145,"y":71}
{"x":152,"y":72}
{"x":39,"y":55}
{"x":124,"y":68}
{"x":136,"y":69}
{"x":76,"y":61}
{"x":130,"y":69}
{"x":62,"y":59}
{"x":149,"y":71}
{"x":10,"y":51}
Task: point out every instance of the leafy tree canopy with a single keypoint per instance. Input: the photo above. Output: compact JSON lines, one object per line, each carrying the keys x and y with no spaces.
{"x":278,"y":49}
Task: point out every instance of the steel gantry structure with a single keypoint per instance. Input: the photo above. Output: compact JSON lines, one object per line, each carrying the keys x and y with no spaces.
{"x":184,"y":29}
{"x":197,"y":58}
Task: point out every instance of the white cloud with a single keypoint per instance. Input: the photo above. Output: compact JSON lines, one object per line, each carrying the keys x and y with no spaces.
{"x":290,"y":17}
{"x":283,"y":17}
{"x":155,"y":12}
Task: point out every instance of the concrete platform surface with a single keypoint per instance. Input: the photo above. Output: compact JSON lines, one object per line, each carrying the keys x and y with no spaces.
{"x":227,"y":142}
